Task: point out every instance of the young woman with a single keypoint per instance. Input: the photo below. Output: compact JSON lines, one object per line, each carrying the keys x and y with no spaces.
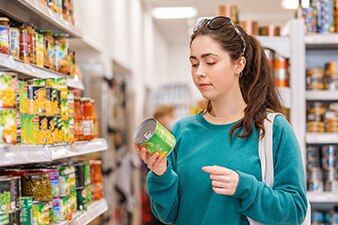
{"x":213,"y":175}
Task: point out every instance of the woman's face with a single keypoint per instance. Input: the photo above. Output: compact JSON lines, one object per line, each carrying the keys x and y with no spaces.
{"x":212,"y":69}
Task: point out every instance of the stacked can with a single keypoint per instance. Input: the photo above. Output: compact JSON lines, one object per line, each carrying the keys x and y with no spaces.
{"x":323,"y":217}
{"x":331,"y":118}
{"x":325,"y":18}
{"x":314,"y":171}
{"x":96,"y":179}
{"x":280,"y":67}
{"x":81,"y":191}
{"x":9,"y":127}
{"x":315,"y":117}
{"x":310,"y":19}
{"x":68,"y":204}
{"x":329,"y":164}
{"x":315,"y":79}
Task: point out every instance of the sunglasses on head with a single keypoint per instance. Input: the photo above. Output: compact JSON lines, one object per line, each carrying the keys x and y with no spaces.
{"x":217,"y":23}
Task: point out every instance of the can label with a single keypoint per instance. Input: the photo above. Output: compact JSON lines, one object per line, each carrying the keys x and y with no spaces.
{"x":40,"y":213}
{"x":49,"y":101}
{"x":23,"y":97}
{"x":8,"y":126}
{"x":36,"y":98}
{"x":34,"y":132}
{"x":39,"y":50}
{"x":4,"y":42}
{"x":14,"y":42}
{"x":8,"y":89}
{"x":5,"y":195}
{"x":81,"y":197}
{"x":154,"y":137}
{"x":26,"y":210}
{"x":56,"y":210}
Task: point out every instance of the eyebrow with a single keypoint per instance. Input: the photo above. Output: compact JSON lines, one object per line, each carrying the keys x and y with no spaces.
{"x":203,"y":56}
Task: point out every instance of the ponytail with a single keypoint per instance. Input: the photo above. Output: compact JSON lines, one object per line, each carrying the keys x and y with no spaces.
{"x":257,"y":87}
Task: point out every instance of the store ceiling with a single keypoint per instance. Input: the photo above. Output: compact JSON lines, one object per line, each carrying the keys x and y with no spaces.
{"x":177,"y":31}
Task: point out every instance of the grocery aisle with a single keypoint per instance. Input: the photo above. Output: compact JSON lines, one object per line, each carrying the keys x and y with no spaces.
{"x":77,"y":77}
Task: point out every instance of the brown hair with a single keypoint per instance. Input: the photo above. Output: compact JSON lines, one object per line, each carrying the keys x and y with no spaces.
{"x":257,"y":80}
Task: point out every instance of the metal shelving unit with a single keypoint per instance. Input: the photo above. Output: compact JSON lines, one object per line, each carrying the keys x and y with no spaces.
{"x":44,"y":18}
{"x":323,"y":197}
{"x":26,"y":154}
{"x":321,"y":95}
{"x":85,"y":217}
{"x":9,"y":63}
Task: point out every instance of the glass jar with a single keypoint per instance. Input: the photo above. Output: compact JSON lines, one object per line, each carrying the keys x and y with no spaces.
{"x":4,"y":35}
{"x":65,"y":9}
{"x":61,"y":52}
{"x":31,"y":43}
{"x":24,"y":42}
{"x":14,"y":41}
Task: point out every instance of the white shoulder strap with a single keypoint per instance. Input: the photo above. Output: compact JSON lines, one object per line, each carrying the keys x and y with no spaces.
{"x":265,"y":151}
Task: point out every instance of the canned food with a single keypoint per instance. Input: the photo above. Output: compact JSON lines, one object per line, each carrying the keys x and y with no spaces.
{"x":53,"y":179}
{"x":41,"y":213}
{"x":10,"y":218}
{"x":330,"y":174}
{"x":329,"y":162}
{"x":331,"y":186}
{"x":65,"y":210}
{"x":331,"y":80}
{"x":39,"y":50}
{"x":37,"y":186}
{"x":81,"y":198}
{"x":312,"y":152}
{"x":89,"y":194}
{"x":315,"y":174}
{"x":315,"y":185}
{"x":35,"y":129}
{"x":87,"y":173}
{"x":154,"y":137}
{"x":8,"y":89}
{"x":36,"y":99}
{"x":8,"y":126}
{"x":14,"y":42}
{"x":23,"y":97}
{"x":15,"y":192}
{"x":4,"y":35}
{"x":56,"y":210}
{"x":329,"y":150}
{"x":5,"y":194}
{"x":80,"y":174}
{"x":317,"y":216}
{"x":315,"y":79}
{"x":73,"y":202}
{"x":26,"y":210}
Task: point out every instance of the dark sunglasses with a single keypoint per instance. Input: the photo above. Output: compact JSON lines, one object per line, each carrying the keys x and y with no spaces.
{"x":217,"y":23}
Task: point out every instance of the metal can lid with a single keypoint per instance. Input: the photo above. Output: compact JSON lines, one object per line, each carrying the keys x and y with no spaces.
{"x":145,"y":131}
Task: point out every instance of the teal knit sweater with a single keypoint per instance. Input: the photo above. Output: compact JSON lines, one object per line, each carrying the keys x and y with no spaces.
{"x":183,"y":194}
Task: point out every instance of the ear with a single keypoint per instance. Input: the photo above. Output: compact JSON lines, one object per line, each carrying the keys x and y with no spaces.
{"x":240,"y":64}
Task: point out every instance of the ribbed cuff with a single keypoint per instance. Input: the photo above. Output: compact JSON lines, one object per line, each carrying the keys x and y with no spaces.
{"x":246,"y":185}
{"x":164,"y":178}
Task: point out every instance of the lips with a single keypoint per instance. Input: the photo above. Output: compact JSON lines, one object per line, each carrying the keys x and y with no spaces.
{"x":203,"y":85}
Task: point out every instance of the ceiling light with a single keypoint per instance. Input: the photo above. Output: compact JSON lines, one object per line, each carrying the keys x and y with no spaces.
{"x":293,"y":4}
{"x":174,"y":12}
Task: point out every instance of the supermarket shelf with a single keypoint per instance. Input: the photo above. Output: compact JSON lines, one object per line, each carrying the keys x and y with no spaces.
{"x":321,"y":40}
{"x":280,"y":44}
{"x":85,"y":217}
{"x":321,"y":197}
{"x":321,"y":138}
{"x":44,"y":18}
{"x":9,"y":63}
{"x":285,"y":94}
{"x":93,"y":211}
{"x":321,"y":95}
{"x":25,"y":154}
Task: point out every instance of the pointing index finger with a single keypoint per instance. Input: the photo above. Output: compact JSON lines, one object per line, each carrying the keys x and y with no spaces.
{"x":217,"y":170}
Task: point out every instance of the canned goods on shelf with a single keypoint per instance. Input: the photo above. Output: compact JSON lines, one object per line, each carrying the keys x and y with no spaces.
{"x":331,"y":80}
{"x":41,"y":213}
{"x":329,"y":162}
{"x":37,"y":186}
{"x":8,"y":89}
{"x":5,"y":194}
{"x":315,"y":185}
{"x":315,"y":127}
{"x":312,"y":152}
{"x":314,"y":174}
{"x":317,"y":216}
{"x":313,"y":163}
{"x":315,"y":79}
{"x":330,"y":174}
{"x":329,"y":150}
{"x":331,"y":186}
{"x":9,"y":126}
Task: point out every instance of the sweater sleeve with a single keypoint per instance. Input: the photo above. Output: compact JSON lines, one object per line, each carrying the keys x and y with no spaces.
{"x":286,"y":202}
{"x":163,"y":190}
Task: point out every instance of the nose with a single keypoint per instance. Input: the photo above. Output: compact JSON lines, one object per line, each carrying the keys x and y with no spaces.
{"x":200,"y":72}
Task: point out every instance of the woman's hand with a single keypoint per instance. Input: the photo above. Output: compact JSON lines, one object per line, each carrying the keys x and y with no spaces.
{"x":155,"y":162}
{"x":224,"y":181}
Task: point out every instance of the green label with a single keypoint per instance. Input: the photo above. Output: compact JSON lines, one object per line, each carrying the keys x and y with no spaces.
{"x":162,"y":141}
{"x":26,"y":210}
